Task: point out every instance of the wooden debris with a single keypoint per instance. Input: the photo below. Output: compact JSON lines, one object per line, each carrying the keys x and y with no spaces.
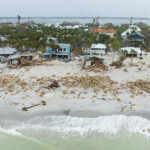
{"x":27,"y":108}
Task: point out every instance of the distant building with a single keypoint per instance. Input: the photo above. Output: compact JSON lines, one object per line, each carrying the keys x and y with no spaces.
{"x":39,"y":31}
{"x":62,"y":52}
{"x":132,"y":36}
{"x":35,"y":26}
{"x":51,"y":40}
{"x":47,"y":25}
{"x":100,"y":25}
{"x":110,"y":32}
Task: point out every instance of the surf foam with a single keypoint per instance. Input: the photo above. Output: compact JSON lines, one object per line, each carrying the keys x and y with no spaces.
{"x":107,"y":125}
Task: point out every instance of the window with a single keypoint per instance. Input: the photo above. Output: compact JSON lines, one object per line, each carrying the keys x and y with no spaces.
{"x":60,"y":50}
{"x":54,"y":49}
{"x":64,"y":49}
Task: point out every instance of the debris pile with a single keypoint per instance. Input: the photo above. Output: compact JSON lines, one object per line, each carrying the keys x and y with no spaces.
{"x":117,"y":64}
{"x":37,"y":61}
{"x":11,"y":83}
{"x":143,"y":85}
{"x":55,"y":84}
{"x":97,"y":83}
{"x":23,"y":60}
{"x":94,"y":64}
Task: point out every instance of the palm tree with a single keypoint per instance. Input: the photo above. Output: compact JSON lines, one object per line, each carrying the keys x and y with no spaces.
{"x":115,"y":47}
{"x":132,"y":52}
{"x":125,"y":52}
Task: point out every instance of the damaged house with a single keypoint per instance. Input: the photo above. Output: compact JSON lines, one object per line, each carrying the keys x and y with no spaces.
{"x":93,"y":63}
{"x":19,"y":60}
{"x":6,"y":52}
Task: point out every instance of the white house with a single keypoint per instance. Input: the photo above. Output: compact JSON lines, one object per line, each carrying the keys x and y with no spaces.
{"x":139,"y":52}
{"x":98,"y":49}
{"x":135,"y":31}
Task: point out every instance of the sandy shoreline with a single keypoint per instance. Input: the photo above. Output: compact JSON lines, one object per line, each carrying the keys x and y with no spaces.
{"x":114,"y":99}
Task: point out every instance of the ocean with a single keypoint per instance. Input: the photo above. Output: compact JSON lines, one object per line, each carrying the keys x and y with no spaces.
{"x":81,"y":20}
{"x":74,"y":133}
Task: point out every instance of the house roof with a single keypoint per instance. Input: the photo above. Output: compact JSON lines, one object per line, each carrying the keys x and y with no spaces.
{"x":63,"y":45}
{"x":130,"y":31}
{"x":3,"y":38}
{"x":135,"y":27}
{"x":129,"y":49}
{"x":17,"y":56}
{"x":101,"y":30}
{"x":99,"y":45}
{"x":86,"y":57}
{"x":7,"y":50}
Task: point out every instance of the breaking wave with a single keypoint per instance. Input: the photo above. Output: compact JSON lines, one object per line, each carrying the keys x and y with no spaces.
{"x":67,"y":126}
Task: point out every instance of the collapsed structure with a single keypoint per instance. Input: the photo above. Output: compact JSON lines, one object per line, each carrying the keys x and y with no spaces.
{"x":16,"y":60}
{"x":93,"y":63}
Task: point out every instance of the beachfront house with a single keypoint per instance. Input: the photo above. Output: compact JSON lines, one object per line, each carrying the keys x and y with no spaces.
{"x":99,"y":49}
{"x":132,"y":36}
{"x":62,"y":51}
{"x":132,"y":51}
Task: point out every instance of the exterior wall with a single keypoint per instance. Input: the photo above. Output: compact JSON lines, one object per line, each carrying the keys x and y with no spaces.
{"x":65,"y":53}
{"x":100,"y":52}
{"x":50,"y":49}
{"x":68,"y":50}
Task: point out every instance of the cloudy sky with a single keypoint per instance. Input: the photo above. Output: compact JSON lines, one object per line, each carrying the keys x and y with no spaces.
{"x":75,"y":8}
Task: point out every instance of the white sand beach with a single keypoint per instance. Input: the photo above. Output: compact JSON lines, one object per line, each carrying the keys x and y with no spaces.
{"x":76,"y":101}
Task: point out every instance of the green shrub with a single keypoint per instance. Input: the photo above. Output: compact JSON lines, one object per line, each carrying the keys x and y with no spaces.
{"x":41,"y":55}
{"x":121,"y":58}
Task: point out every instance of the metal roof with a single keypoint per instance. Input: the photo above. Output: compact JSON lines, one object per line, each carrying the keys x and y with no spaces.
{"x":3,"y":38}
{"x":129,"y":49}
{"x":130,"y":31}
{"x":63,"y":45}
{"x":99,"y":45}
{"x":7,"y":51}
{"x":86,"y":57}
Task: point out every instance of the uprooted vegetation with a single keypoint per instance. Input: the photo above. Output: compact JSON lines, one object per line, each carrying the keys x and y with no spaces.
{"x":77,"y":86}
{"x":119,"y":63}
{"x":143,"y":85}
{"x":97,"y":83}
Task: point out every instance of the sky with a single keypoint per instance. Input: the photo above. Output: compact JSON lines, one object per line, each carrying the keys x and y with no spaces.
{"x":75,"y":8}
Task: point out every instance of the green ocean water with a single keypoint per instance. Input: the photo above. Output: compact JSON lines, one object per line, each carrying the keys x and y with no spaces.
{"x":73,"y":133}
{"x":9,"y":142}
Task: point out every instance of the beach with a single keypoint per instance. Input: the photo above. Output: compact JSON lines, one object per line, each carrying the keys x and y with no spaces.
{"x":107,"y":105}
{"x":76,"y":99}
